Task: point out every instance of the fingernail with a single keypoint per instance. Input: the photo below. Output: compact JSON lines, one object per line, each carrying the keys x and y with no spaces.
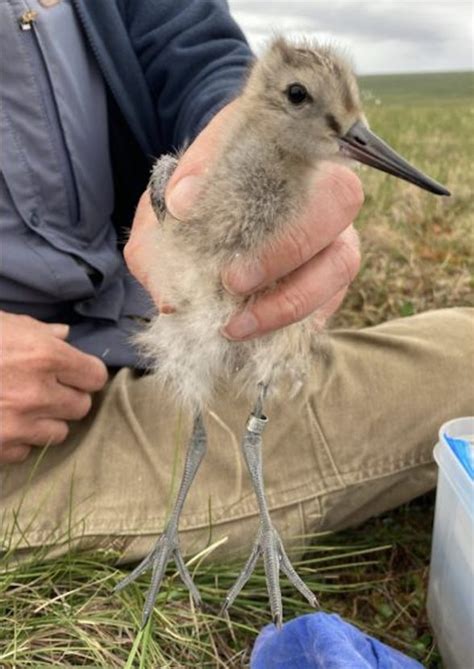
{"x":243,"y":325}
{"x":183,"y":195}
{"x":167,"y":309}
{"x":240,"y":279}
{"x":60,"y":330}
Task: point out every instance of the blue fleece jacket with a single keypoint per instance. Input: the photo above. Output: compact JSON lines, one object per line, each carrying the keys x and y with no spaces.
{"x":168,"y":66}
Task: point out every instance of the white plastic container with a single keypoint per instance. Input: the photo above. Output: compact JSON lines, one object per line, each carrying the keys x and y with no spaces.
{"x":451,"y":584}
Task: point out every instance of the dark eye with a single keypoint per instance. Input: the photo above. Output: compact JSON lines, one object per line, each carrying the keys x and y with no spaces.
{"x":297,"y":94}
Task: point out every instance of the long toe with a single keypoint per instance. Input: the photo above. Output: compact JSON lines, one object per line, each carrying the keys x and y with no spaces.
{"x":160,"y":561}
{"x":187,"y":578}
{"x":244,"y":575}
{"x":288,"y":569}
{"x":269,"y":545}
{"x":165,"y":549}
{"x":271,"y":561}
{"x":145,"y":564}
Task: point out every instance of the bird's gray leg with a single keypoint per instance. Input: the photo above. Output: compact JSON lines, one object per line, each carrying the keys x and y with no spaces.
{"x":167,"y":545}
{"x":267,"y":543}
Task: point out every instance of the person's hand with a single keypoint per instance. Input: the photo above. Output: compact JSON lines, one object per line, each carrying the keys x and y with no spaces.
{"x":314,"y":262}
{"x":45,"y":382}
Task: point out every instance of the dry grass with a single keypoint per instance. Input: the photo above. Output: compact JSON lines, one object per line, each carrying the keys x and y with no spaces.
{"x":417,"y":249}
{"x":417,"y":256}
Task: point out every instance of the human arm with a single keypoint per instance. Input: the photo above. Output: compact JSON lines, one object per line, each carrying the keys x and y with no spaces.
{"x":194,"y":57}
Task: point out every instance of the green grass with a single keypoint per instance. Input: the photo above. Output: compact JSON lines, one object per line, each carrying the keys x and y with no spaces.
{"x":433,"y":88}
{"x":62,"y":614}
{"x":417,"y":252}
{"x":417,"y":249}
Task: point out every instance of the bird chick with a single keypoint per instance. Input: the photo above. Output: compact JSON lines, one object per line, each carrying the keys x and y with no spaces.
{"x":291,"y":108}
{"x":299,"y":106}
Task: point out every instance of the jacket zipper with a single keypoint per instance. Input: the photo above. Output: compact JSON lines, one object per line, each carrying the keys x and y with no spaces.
{"x":27,"y":24}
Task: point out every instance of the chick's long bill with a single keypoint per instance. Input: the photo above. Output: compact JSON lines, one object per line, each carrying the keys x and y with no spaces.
{"x":299,"y":106}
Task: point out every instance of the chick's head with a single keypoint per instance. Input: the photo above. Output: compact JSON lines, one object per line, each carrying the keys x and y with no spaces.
{"x":306,"y":96}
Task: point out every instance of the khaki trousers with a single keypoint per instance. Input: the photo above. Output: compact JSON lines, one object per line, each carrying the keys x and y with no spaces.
{"x":356,"y":442}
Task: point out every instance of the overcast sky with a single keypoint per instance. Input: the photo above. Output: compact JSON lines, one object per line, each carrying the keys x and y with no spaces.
{"x":381,"y":35}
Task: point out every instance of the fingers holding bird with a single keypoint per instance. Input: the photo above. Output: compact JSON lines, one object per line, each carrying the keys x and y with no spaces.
{"x":333,"y":204}
{"x":317,"y":286}
{"x":313,"y":263}
{"x":182,"y":190}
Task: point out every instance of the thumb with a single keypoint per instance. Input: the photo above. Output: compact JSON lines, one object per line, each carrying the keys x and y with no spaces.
{"x":187,"y":180}
{"x":59,"y":330}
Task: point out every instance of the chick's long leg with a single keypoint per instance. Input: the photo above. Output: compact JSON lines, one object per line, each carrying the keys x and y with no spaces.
{"x":167,"y":545}
{"x":267,"y":542}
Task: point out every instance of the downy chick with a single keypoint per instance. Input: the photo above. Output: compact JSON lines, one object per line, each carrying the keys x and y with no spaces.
{"x":298,"y":107}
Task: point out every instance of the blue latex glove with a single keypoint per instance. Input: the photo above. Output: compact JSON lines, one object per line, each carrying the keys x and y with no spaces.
{"x":323,"y":641}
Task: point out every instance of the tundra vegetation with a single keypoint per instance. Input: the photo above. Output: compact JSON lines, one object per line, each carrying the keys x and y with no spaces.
{"x":417,"y":255}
